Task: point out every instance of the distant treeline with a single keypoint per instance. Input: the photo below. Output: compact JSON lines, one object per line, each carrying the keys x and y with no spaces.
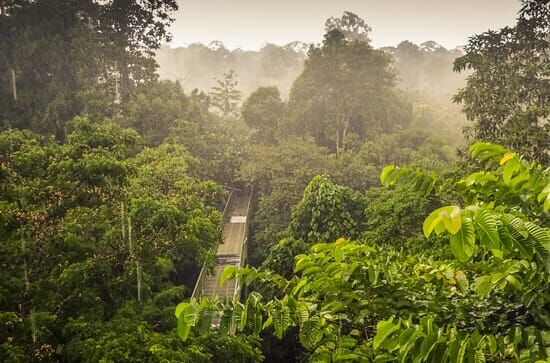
{"x":427,"y":67}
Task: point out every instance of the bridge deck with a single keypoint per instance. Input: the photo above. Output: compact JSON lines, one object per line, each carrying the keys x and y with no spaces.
{"x":234,"y":229}
{"x":229,"y":252}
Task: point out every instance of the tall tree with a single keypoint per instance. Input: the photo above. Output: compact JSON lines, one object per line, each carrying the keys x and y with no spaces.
{"x":263,"y":111}
{"x":136,"y":29}
{"x":350,"y":25}
{"x":507,"y":96}
{"x":64,"y":58}
{"x":225,"y":96}
{"x":346,"y":87}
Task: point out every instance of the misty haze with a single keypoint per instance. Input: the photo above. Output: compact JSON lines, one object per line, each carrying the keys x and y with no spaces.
{"x":275,"y":181}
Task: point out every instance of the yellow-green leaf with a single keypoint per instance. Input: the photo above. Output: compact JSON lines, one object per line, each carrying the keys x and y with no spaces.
{"x":506,"y":157}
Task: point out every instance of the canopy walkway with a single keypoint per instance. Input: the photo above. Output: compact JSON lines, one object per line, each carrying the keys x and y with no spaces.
{"x":231,"y":252}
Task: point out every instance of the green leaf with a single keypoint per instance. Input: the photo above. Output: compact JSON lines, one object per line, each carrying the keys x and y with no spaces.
{"x":281,"y":321}
{"x":348,"y":357}
{"x":311,"y":270}
{"x":310,"y":332}
{"x":462,"y":351}
{"x":302,"y":263}
{"x":302,"y":311}
{"x":180,"y":308}
{"x":452,"y":219}
{"x":406,"y":347}
{"x":508,"y":171}
{"x":514,"y":282}
{"x":492,"y":344}
{"x":405,"y":336}
{"x":427,"y":345}
{"x":205,"y":321}
{"x":449,"y":215}
{"x":462,"y":281}
{"x":479,"y":356}
{"x":463,"y":242}
{"x":236,"y":317}
{"x":482,"y":285}
{"x":486,"y":150}
{"x":545,"y":196}
{"x":258,"y":320}
{"x":542,"y":237}
{"x":385,"y":173}
{"x":244,"y":317}
{"x":486,"y":227}
{"x":268,"y":322}
{"x":298,"y":288}
{"x":225,"y":320}
{"x":508,"y":156}
{"x":228,"y":273}
{"x":187,"y":319}
{"x":383,"y":330}
{"x":519,"y":236}
{"x":430,"y":224}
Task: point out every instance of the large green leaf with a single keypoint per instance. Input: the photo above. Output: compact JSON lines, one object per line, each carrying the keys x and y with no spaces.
{"x":228,"y":273}
{"x":310,"y":332}
{"x":462,"y":351}
{"x":487,"y":230}
{"x":486,"y":150}
{"x":479,"y":356}
{"x":302,"y":312}
{"x":187,"y":319}
{"x":427,"y":346}
{"x":448,"y":218}
{"x":383,"y":330}
{"x":519,"y":236}
{"x":180,"y":308}
{"x":205,"y":321}
{"x":385,"y":173}
{"x":452,"y":219}
{"x":541,"y":241}
{"x":482,"y":285}
{"x":462,"y":281}
{"x":463,"y":242}
{"x":281,"y":320}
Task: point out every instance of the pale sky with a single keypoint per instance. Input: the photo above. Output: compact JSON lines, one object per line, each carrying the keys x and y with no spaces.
{"x":249,"y":24}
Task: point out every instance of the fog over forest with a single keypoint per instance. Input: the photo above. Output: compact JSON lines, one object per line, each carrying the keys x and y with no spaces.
{"x":167,"y":198}
{"x":426,"y":68}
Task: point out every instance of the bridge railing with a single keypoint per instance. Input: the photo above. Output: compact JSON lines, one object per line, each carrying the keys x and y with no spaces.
{"x":203,"y":275}
{"x":244,"y":245}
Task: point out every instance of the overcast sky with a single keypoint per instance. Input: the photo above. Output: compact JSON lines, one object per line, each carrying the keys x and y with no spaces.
{"x":251,"y":23}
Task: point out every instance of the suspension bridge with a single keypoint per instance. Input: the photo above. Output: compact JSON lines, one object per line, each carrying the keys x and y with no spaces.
{"x":232,"y":251}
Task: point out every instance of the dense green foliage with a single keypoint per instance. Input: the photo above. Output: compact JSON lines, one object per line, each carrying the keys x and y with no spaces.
{"x":345,"y":88}
{"x":263,"y":111}
{"x":92,"y":224}
{"x":507,"y":95}
{"x":112,"y":186}
{"x":71,"y":57}
{"x":356,"y":301}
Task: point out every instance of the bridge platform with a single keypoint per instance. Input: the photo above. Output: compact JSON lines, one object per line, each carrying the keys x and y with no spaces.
{"x":231,"y":252}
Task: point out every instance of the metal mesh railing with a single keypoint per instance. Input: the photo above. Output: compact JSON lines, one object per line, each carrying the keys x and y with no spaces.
{"x":203,"y":275}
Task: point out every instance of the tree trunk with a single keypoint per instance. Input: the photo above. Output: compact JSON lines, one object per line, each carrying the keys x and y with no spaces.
{"x":346,"y":124}
{"x":138,"y":267}
{"x":337,"y":142}
{"x":13,"y":84}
